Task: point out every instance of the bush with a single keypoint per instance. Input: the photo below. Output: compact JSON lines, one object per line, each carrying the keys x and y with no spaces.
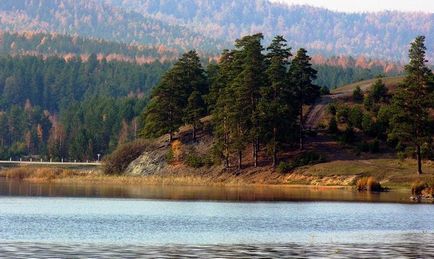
{"x":118,"y":161}
{"x":324,"y":90}
{"x":306,"y":158}
{"x":417,"y":187}
{"x":348,"y":136}
{"x":284,"y":167}
{"x":333,"y":126}
{"x":196,"y":161}
{"x":357,"y":94}
{"x":355,"y":117}
{"x":332,"y":109}
{"x":369,"y":184}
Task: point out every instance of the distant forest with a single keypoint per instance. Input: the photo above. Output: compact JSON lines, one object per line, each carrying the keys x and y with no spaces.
{"x":70,"y":109}
{"x":212,"y":25}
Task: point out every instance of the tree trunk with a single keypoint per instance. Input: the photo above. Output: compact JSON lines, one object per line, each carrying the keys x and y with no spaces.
{"x":194,"y":133}
{"x":170,"y":137}
{"x":274,"y":148}
{"x":419,"y":160}
{"x":255,"y":153}
{"x":301,"y":128}
{"x":240,"y":157}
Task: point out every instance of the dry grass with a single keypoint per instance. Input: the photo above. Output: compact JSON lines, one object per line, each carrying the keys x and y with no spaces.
{"x":38,"y":173}
{"x":365,"y":85}
{"x":390,"y":172}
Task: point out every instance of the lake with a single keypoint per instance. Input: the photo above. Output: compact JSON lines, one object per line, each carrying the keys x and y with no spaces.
{"x":34,"y":224}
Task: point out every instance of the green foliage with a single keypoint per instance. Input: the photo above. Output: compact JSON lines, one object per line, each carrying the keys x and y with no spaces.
{"x":307,"y":158}
{"x":347,"y":136}
{"x":355,"y":117}
{"x":197,"y":161}
{"x":332,"y":109}
{"x":369,"y":146}
{"x":284,"y":167}
{"x":324,"y":90}
{"x":333,"y":126}
{"x":303,"y":159}
{"x":177,"y":98}
{"x":410,"y":121}
{"x":357,"y":95}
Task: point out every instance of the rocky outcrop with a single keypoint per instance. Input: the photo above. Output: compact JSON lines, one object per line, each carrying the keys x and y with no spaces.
{"x":149,"y":163}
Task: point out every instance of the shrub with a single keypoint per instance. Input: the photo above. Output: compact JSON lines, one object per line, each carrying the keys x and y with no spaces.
{"x":368,"y":184}
{"x":284,"y":167}
{"x":348,"y":136}
{"x":324,"y":90}
{"x":357,"y":94}
{"x":118,"y":161}
{"x":374,"y":146}
{"x":197,"y":161}
{"x":417,"y":187}
{"x":355,"y":117}
{"x":333,"y":126}
{"x":307,"y":158}
{"x":332,"y":109}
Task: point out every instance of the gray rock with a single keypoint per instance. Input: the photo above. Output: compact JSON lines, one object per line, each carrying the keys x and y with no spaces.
{"x":149,"y":163}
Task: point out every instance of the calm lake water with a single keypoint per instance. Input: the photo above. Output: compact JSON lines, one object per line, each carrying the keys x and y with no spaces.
{"x":144,"y":226}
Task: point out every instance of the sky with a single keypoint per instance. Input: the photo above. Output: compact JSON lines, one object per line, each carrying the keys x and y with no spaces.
{"x":368,"y":5}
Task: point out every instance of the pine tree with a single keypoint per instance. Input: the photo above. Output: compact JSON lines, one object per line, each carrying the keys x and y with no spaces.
{"x":247,"y":90}
{"x":275,"y":103}
{"x":196,"y":86}
{"x":302,"y":76}
{"x":178,"y":98}
{"x":224,"y":113}
{"x":412,"y":102}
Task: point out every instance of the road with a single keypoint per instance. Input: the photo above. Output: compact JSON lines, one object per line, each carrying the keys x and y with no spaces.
{"x":7,"y":162}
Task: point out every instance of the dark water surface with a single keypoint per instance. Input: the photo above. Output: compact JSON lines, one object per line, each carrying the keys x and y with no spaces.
{"x":35,"y":221}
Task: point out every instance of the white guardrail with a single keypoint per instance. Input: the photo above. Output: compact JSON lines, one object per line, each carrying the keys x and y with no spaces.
{"x":12,"y":162}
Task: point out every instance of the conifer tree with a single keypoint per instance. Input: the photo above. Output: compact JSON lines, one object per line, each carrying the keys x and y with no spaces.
{"x":247,"y":86}
{"x":412,"y":102}
{"x":302,"y":76}
{"x":275,"y":103}
{"x":224,"y":113}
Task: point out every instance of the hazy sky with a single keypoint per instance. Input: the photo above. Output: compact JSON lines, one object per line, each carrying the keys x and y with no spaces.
{"x":368,"y":5}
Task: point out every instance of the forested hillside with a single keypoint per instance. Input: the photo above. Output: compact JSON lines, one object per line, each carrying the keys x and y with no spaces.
{"x":54,"y":44}
{"x":71,"y":109}
{"x":384,"y":35}
{"x":93,"y":18}
{"x":211,"y":25}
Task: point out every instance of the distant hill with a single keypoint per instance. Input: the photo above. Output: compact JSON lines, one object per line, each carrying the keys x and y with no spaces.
{"x":383,"y":35}
{"x":211,"y":25}
{"x":53,"y":44}
{"x":97,"y":19}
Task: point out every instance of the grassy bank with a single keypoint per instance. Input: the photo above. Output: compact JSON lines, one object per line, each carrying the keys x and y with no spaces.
{"x":391,"y":173}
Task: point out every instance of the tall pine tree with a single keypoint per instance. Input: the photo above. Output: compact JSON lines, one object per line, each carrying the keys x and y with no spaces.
{"x":276,"y":111}
{"x":302,"y":76}
{"x":412,"y":102}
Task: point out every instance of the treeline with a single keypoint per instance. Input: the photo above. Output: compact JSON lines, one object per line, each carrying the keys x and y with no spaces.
{"x":50,"y":44}
{"x":336,"y":76}
{"x":52,"y":108}
{"x":255,"y":97}
{"x":54,"y":83}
